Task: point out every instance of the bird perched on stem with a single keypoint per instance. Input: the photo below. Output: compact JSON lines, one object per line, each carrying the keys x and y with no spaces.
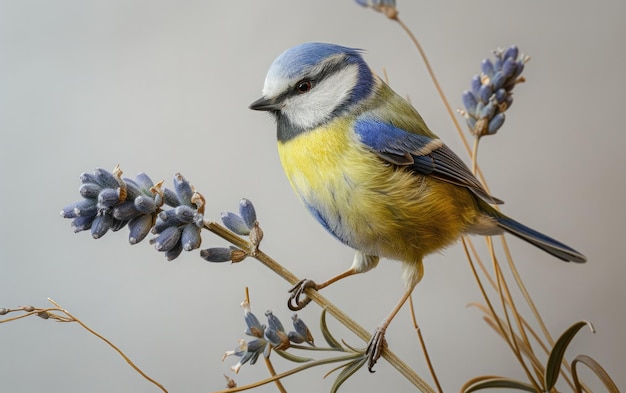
{"x":364,"y":163}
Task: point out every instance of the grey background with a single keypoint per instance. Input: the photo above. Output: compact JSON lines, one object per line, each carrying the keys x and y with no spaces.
{"x":163,"y":87}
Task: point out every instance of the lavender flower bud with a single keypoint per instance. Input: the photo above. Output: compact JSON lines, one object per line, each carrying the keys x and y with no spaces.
{"x":495,"y":123}
{"x":511,"y":53}
{"x":118,"y":224}
{"x":185,"y":214}
{"x":488,"y":111}
{"x":183,"y":189}
{"x":217,"y":254}
{"x":487,"y":67}
{"x":132,"y":189}
{"x":278,"y":338}
{"x":101,"y":224}
{"x":485,"y":92}
{"x":108,"y":198}
{"x":247,"y":212}
{"x":105,"y":178}
{"x":273,"y":322}
{"x":170,"y":198}
{"x":500,"y":95}
{"x":469,"y":101}
{"x":235,"y":223}
{"x":145,"y":204}
{"x":499,"y":79}
{"x":125,"y":211}
{"x":86,"y":177}
{"x":475,"y":85}
{"x":167,"y":239}
{"x":84,"y":207}
{"x":139,"y":228}
{"x":88,"y":208}
{"x":509,"y":67}
{"x":82,"y":223}
{"x":90,"y":190}
{"x":302,"y":329}
{"x":174,"y":252}
{"x":190,"y":237}
{"x":144,"y":182}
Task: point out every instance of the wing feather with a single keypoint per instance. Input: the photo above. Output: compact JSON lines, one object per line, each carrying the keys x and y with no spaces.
{"x":420,"y":153}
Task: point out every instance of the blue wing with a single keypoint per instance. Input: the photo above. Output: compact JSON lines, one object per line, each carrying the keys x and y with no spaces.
{"x":420,"y":153}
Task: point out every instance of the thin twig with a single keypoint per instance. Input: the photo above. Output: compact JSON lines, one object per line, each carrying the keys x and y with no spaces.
{"x":501,"y":328}
{"x":423,"y":344}
{"x":290,"y":372}
{"x":511,"y":334}
{"x":277,"y":382}
{"x":109,"y":343}
{"x":475,"y":155}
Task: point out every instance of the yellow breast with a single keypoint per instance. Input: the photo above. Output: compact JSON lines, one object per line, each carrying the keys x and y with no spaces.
{"x":370,"y":205}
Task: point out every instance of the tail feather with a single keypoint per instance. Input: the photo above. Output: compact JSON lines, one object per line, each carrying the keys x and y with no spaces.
{"x":540,"y":240}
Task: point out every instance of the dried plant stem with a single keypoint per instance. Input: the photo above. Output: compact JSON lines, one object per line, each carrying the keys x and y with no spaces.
{"x":423,"y":344}
{"x":291,"y":372}
{"x":524,"y":291}
{"x":509,"y":298}
{"x":502,"y":292}
{"x":610,"y":386}
{"x":475,"y":155}
{"x":527,"y":326}
{"x":333,"y":310}
{"x":109,"y":343}
{"x":431,"y":73}
{"x":277,"y":382}
{"x":500,"y":325}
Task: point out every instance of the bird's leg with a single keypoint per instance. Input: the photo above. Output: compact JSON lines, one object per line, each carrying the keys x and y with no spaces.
{"x":377,"y":343}
{"x":298,"y":299}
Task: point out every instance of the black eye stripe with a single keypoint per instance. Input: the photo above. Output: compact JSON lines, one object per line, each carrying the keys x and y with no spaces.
{"x":329,"y":69}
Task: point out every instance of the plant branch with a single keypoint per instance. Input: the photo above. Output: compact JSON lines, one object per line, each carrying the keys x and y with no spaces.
{"x":109,"y":343}
{"x":333,"y":310}
{"x":423,"y":344}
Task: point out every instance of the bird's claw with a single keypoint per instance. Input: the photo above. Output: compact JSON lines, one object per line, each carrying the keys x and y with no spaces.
{"x":298,"y":298}
{"x":375,"y":348}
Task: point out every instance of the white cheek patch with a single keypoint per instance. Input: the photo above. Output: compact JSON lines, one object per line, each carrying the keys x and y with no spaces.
{"x":310,"y":109}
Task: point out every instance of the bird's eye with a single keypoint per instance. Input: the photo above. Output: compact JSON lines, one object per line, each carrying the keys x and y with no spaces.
{"x":303,"y":86}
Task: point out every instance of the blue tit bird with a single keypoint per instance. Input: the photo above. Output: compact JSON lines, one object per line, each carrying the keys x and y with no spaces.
{"x":367,"y":167}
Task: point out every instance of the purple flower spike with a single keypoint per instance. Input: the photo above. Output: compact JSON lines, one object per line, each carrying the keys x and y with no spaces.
{"x":491,"y":91}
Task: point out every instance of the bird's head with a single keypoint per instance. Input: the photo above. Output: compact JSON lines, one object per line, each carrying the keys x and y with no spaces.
{"x":312,"y":83}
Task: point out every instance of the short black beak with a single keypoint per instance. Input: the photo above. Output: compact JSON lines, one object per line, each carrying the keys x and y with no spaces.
{"x":266,"y":104}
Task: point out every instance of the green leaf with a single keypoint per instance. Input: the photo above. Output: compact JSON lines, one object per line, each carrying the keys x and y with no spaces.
{"x":332,"y":342}
{"x":558,"y":351}
{"x":347,"y":372}
{"x":292,"y":357}
{"x":499,"y":382}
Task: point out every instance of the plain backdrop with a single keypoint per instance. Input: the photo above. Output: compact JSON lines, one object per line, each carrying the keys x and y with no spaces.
{"x":164,"y":87}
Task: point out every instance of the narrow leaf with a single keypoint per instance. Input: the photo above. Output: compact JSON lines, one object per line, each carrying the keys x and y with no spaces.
{"x":558,"y":351}
{"x":332,"y":342}
{"x":347,"y":372}
{"x":292,"y":357}
{"x":597,"y":369}
{"x":488,"y":382}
